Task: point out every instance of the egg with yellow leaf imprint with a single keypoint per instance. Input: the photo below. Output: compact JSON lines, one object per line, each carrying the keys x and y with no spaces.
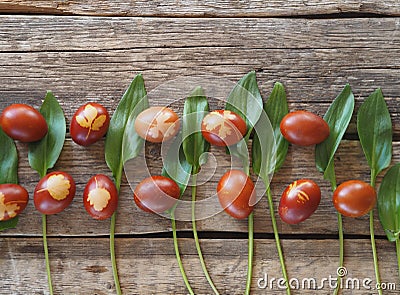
{"x":13,"y":200}
{"x":157,"y":124}
{"x":89,"y":123}
{"x":54,"y":192}
{"x":223,"y":128}
{"x":100,"y":197}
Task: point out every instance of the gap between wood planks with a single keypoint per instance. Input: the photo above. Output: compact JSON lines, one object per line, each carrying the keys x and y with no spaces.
{"x":339,"y":15}
{"x":221,"y":235}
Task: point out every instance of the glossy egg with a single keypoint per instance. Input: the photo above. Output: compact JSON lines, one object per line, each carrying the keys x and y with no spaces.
{"x":299,"y":201}
{"x":100,"y":197}
{"x":13,"y":200}
{"x":22,"y":122}
{"x":236,"y":194}
{"x":54,"y":192}
{"x":156,"y":194}
{"x":157,"y":124}
{"x":89,"y":124}
{"x":354,"y":198}
{"x":223,"y":128}
{"x":304,"y":128}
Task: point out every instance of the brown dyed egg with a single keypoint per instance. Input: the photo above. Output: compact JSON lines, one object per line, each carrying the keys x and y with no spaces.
{"x":22,"y":122}
{"x":157,"y":124}
{"x":354,"y":198}
{"x":100,"y":197}
{"x":156,"y":194}
{"x":304,"y":128}
{"x":223,"y":128}
{"x":89,"y":123}
{"x":236,"y":194}
{"x":54,"y":192}
{"x":13,"y":200}
{"x":299,"y":201}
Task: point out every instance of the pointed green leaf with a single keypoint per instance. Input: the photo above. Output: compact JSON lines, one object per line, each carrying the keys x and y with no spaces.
{"x":8,"y":224}
{"x":8,"y":159}
{"x":389,"y":203}
{"x":375,"y":132}
{"x":115,"y":152}
{"x":270,"y":147}
{"x":44,"y":153}
{"x":245,"y":100}
{"x":338,"y":118}
{"x":175,"y":165}
{"x":132,"y":143}
{"x":194,"y":110}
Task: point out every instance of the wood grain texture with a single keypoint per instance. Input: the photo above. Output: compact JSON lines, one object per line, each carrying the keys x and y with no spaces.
{"x":52,"y":33}
{"x":84,"y":59}
{"x":148,"y":266}
{"x":191,"y":8}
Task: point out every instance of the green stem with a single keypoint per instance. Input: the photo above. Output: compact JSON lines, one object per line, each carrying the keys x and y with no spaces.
{"x":112,"y":253}
{"x":250,"y":242}
{"x":373,"y":244}
{"x":46,"y":252}
{"x":341,"y":251}
{"x":374,"y":253}
{"x":112,"y":238}
{"x":250,"y":254}
{"x":398,"y":254}
{"x":277,"y":240}
{"x":178,"y":257}
{"x":196,"y":238}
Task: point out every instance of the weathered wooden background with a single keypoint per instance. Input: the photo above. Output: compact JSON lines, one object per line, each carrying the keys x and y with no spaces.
{"x":90,"y":51}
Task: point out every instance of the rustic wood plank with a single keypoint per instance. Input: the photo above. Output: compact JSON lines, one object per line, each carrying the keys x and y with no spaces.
{"x":83,"y":163}
{"x":78,"y":77}
{"x":82,"y":266}
{"x":191,"y":8}
{"x":52,"y":33}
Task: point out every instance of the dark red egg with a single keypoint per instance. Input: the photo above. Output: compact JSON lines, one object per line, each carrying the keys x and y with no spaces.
{"x":223,"y":128}
{"x":89,"y":124}
{"x":304,"y":128}
{"x":13,"y":200}
{"x":299,"y":201}
{"x":236,"y":194}
{"x":156,"y":194}
{"x":354,"y":198}
{"x":54,"y":192}
{"x":22,"y":122}
{"x":100,"y":197}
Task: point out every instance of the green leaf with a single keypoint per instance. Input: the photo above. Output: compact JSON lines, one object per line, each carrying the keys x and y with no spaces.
{"x":44,"y":153}
{"x":11,"y":223}
{"x":175,"y":165}
{"x":117,"y":153}
{"x":338,"y":118}
{"x":375,"y":132}
{"x":389,"y":203}
{"x":245,"y":100}
{"x":194,"y":110}
{"x":268,"y":155}
{"x":132,"y":143}
{"x":8,"y":159}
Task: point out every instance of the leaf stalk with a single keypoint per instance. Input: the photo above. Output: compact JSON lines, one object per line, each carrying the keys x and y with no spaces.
{"x":277,"y":240}
{"x":178,"y":256}
{"x":196,"y":237}
{"x":46,"y":253}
